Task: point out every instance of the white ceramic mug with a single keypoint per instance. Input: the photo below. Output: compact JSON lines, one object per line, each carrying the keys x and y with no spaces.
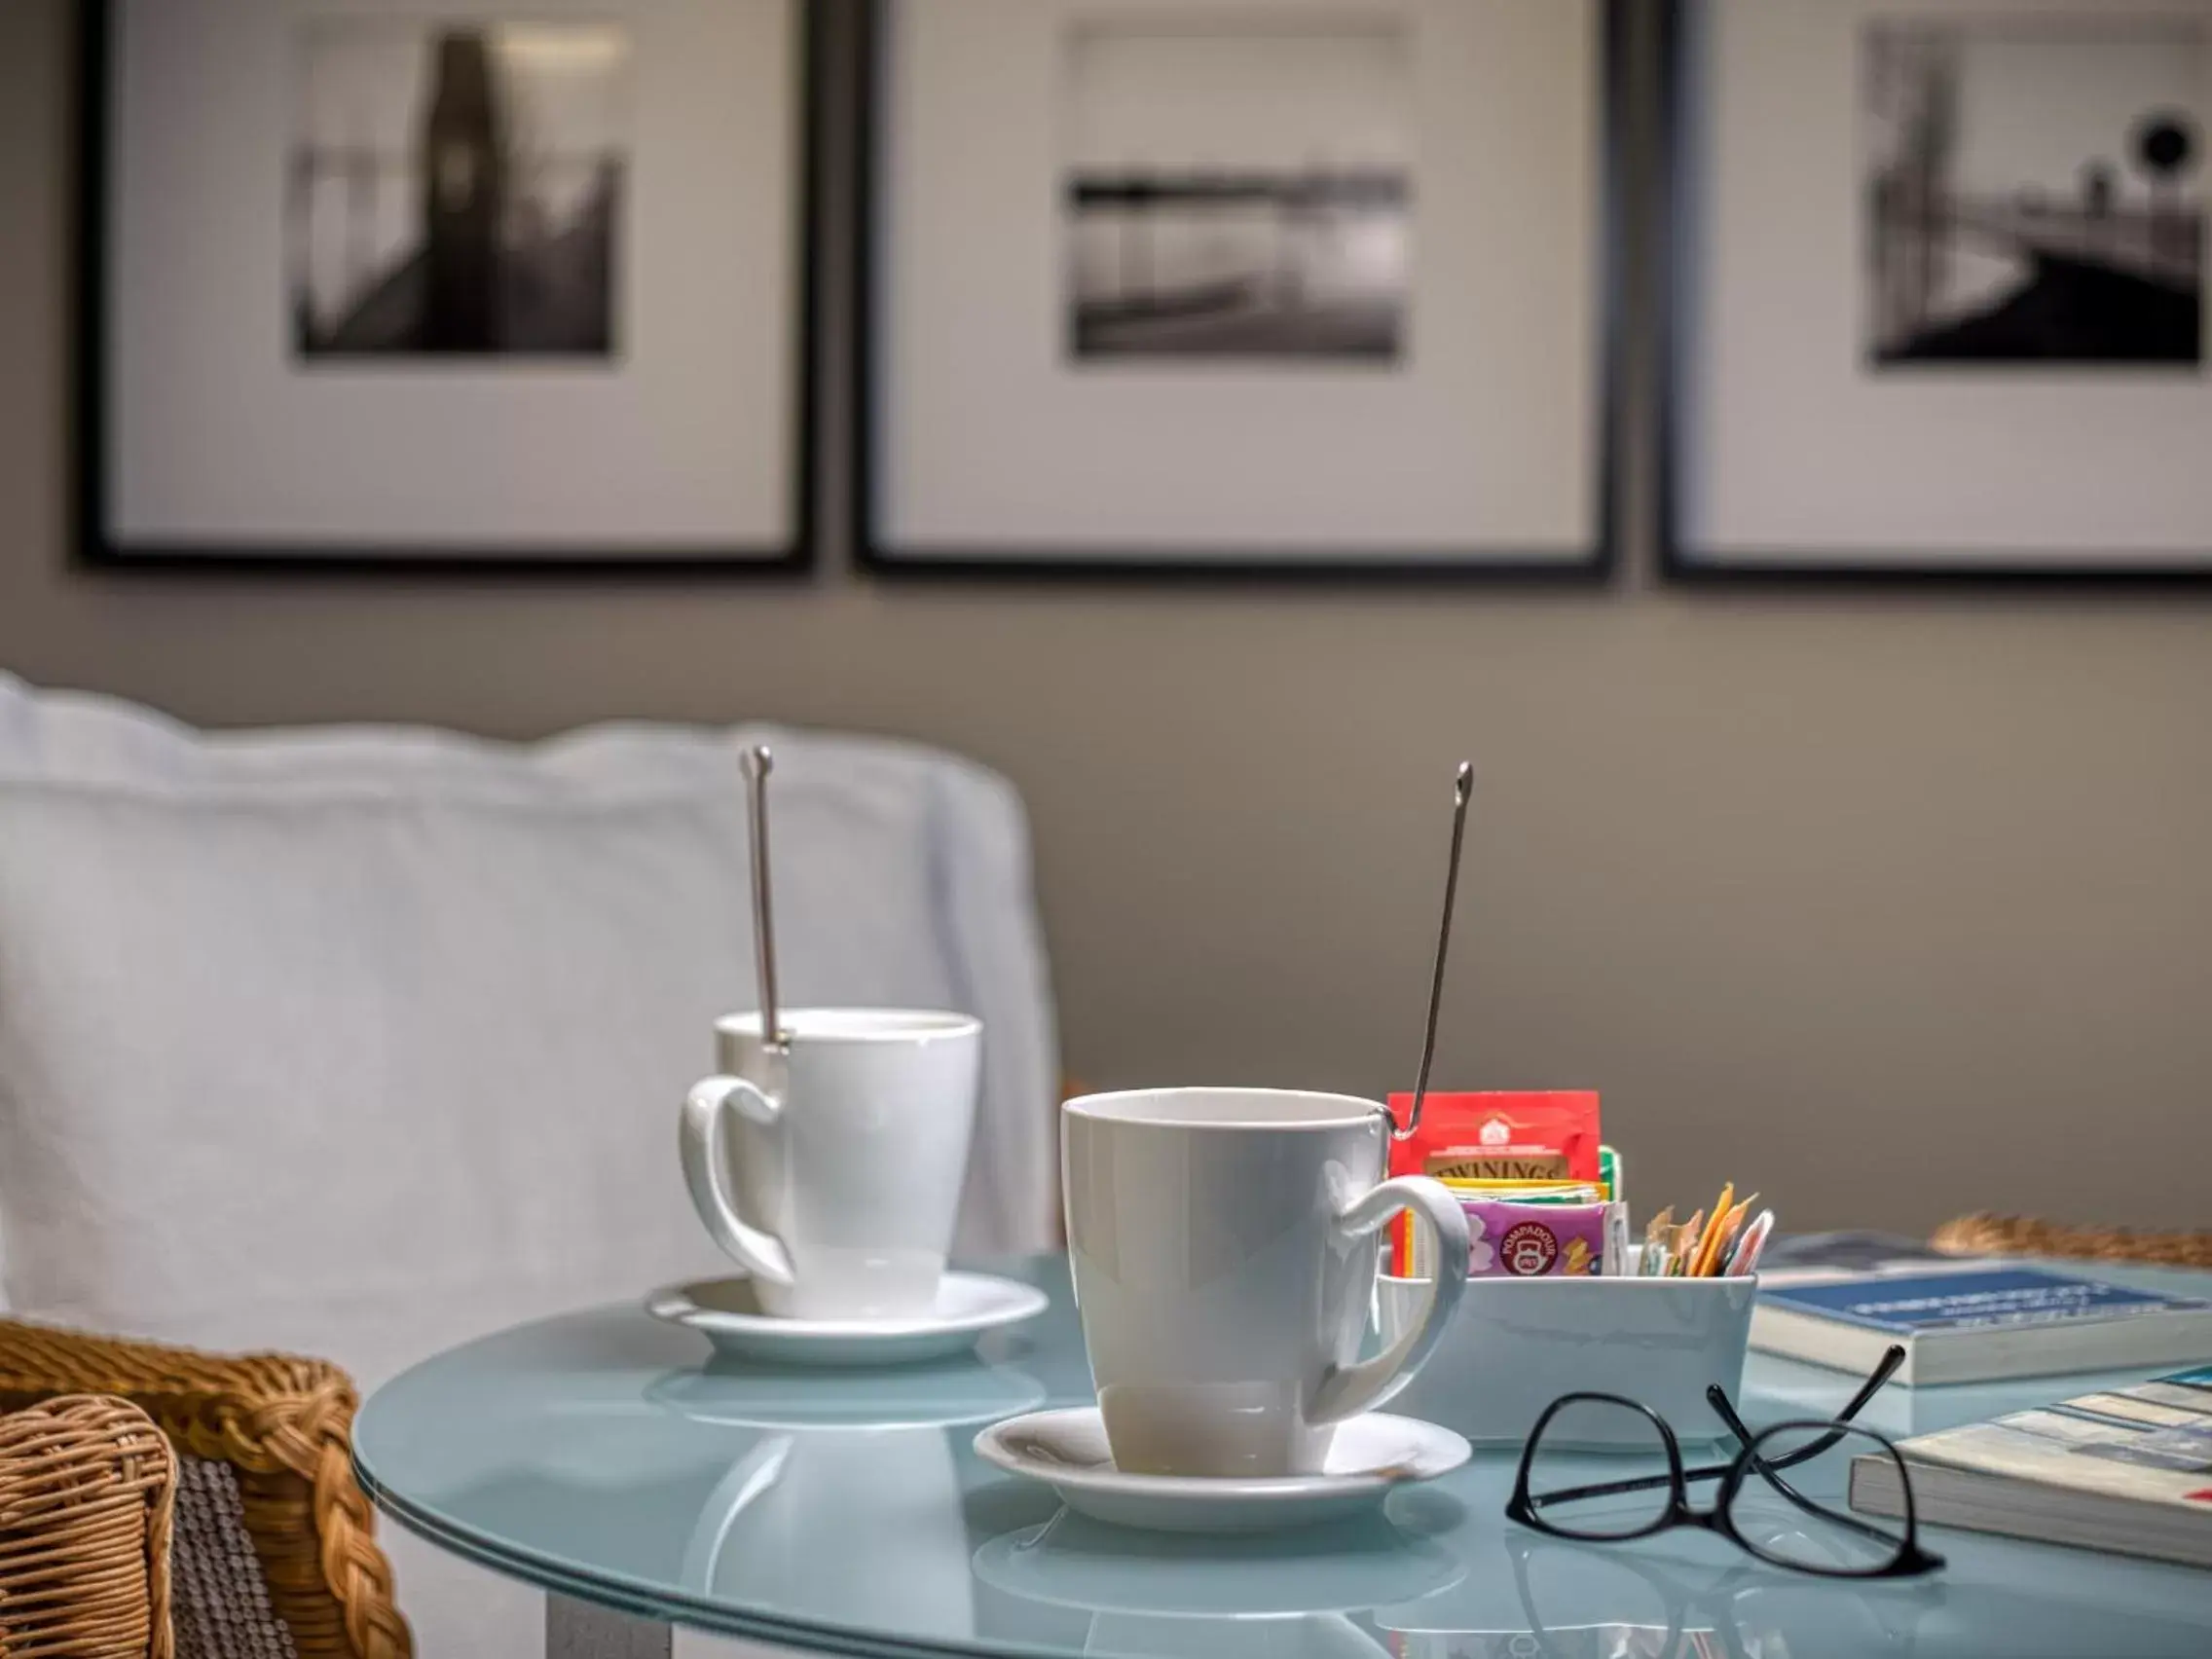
{"x":831,"y":1172}
{"x":1223,"y":1243}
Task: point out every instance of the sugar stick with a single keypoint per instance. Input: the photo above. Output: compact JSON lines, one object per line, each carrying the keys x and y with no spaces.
{"x":1710,"y":1245}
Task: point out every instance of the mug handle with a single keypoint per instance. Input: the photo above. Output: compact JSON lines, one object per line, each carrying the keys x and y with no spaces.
{"x":701,"y":1136}
{"x":1346,"y":1390}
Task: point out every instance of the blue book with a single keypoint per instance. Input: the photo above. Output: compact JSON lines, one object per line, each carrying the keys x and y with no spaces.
{"x":1975,"y":1324}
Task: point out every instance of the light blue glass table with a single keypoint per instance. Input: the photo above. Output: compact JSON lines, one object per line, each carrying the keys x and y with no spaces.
{"x":602,"y":1457}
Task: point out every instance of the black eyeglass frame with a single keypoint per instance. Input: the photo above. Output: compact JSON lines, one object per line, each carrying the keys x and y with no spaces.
{"x":1909,"y":1560}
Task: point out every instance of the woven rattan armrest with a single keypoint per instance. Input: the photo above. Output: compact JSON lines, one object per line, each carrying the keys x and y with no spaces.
{"x":87,"y":1487}
{"x":285,"y":1426}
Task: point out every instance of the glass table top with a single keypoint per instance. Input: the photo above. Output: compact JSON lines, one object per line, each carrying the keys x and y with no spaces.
{"x":605,"y":1455}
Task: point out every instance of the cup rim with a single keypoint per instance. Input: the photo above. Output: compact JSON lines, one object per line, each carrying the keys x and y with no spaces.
{"x":1103,"y":1109}
{"x":856,"y":1024}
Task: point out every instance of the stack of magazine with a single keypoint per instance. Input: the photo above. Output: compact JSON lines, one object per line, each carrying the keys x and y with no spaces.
{"x":2127,"y":1470}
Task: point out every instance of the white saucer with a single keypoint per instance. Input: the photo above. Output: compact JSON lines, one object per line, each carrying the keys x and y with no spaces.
{"x":1371,"y":1457}
{"x":726,"y":1312}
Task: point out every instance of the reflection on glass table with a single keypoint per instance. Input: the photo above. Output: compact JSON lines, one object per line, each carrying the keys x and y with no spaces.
{"x":1285,"y":1596}
{"x":1578,"y":1601}
{"x":831,"y":1461}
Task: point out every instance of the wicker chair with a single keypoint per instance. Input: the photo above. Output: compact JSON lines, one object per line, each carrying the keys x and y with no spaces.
{"x":273,"y":1554}
{"x":2023,"y":1236}
{"x":87,"y":1489}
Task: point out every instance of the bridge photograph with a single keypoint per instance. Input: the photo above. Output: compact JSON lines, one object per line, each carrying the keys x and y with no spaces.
{"x":1239,"y":192}
{"x":455,"y":189}
{"x":2035,"y":192}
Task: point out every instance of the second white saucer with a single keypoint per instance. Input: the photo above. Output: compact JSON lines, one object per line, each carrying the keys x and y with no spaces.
{"x":1369,"y":1458}
{"x":968,"y":1305}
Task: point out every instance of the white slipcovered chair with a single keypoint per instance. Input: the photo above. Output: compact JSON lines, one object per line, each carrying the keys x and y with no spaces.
{"x":358,"y":1042}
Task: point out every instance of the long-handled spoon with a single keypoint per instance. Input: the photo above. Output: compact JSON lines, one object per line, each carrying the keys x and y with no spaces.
{"x":1463,"y":791}
{"x":758,"y":762}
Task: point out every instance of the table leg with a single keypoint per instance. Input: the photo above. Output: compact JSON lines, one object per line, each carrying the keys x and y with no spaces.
{"x":577,"y":1630}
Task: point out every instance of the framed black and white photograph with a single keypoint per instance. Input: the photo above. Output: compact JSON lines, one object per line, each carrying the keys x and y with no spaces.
{"x":501,"y":285}
{"x":1937,"y":288}
{"x":457,"y":188}
{"x":1238,"y":285}
{"x":1238,"y":191}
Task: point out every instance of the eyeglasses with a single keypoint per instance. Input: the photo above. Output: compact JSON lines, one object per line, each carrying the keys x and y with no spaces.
{"x":1803,"y":1524}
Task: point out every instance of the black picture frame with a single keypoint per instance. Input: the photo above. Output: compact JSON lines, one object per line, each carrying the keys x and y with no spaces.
{"x":99,"y":547}
{"x":1228,"y":566}
{"x":1673,"y":300}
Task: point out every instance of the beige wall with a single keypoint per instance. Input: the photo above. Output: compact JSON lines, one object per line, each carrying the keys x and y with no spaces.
{"x":1888,"y":904}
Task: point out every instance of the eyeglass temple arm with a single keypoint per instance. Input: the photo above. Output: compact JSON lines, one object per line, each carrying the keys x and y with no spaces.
{"x":1883,"y":1371}
{"x":1769,"y":1467}
{"x":1744,"y":1437}
{"x":1610,"y":1489}
{"x":1892,"y":1357}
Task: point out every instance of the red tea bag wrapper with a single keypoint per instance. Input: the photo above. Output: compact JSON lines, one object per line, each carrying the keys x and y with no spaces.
{"x":1547,"y":1136}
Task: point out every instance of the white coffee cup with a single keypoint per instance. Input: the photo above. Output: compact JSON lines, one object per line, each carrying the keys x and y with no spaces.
{"x":831,"y":1168}
{"x":1223,"y":1243}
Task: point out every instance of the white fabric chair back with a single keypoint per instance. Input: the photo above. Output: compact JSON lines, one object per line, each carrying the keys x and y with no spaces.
{"x":357,"y":1040}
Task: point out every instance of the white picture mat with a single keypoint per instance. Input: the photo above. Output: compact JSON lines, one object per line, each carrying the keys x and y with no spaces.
{"x":1793,"y":448}
{"x":1487,"y":434}
{"x":684,"y":440}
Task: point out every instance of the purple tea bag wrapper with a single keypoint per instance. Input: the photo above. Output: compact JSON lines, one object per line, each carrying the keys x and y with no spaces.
{"x":1516,"y":1240}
